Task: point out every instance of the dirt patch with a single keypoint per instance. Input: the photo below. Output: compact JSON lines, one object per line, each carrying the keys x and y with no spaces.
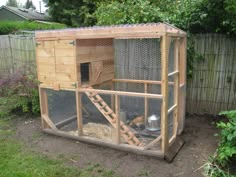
{"x":200,"y":142}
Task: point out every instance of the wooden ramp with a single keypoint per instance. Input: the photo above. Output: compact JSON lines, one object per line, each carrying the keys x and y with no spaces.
{"x":109,"y":114}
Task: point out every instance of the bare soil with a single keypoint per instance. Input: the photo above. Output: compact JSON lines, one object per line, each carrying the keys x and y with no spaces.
{"x":200,"y":143}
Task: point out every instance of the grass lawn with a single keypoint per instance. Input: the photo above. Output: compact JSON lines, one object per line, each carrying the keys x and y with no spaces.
{"x":18,"y":161}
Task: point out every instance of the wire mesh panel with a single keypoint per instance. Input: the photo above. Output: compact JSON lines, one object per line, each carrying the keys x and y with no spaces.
{"x":62,"y":109}
{"x":137,"y":59}
{"x":97,"y":123}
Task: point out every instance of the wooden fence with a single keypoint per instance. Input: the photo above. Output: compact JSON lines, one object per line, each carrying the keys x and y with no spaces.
{"x":211,"y":90}
{"x":213,"y":86}
{"x":16,"y":53}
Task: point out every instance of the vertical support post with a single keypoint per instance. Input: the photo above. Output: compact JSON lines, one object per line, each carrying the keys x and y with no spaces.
{"x":43,"y":106}
{"x":117,"y":105}
{"x":145,"y":102}
{"x":182,"y":79}
{"x":112,"y":97}
{"x":164,"y":91}
{"x":176,"y":87}
{"x":79,"y":113}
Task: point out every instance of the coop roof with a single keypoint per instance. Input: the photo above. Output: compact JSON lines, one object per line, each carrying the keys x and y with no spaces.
{"x":28,"y":14}
{"x":149,"y":30}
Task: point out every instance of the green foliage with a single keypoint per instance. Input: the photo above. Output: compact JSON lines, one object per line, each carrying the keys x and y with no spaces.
{"x":227,"y":147}
{"x":219,"y":165}
{"x":212,"y":16}
{"x":73,"y":13}
{"x":127,"y":12}
{"x":192,"y":57}
{"x":19,"y":93}
{"x":7,"y":27}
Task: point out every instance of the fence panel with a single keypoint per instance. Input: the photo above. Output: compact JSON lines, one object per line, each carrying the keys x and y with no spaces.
{"x":213,"y":86}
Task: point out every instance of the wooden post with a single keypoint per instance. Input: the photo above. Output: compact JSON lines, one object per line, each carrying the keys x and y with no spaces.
{"x":182,"y":80}
{"x":164,"y":91}
{"x":176,"y":88}
{"x":117,"y":105}
{"x":79,"y":113}
{"x":112,"y":97}
{"x":145,"y":102}
{"x":43,"y":106}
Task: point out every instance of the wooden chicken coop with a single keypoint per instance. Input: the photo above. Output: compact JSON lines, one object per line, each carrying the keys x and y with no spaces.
{"x":117,"y":86}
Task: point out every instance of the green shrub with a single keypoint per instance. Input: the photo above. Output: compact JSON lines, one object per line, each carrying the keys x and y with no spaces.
{"x":220,"y":164}
{"x":19,"y":93}
{"x":9,"y":27}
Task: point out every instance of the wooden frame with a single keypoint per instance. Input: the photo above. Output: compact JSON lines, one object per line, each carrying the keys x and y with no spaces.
{"x":65,"y":50}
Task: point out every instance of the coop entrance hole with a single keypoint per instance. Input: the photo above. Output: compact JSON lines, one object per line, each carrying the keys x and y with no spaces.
{"x":84,"y":68}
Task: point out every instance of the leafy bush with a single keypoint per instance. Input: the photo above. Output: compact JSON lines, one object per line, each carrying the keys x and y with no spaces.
{"x":19,"y":93}
{"x":220,"y":164}
{"x":8,"y":27}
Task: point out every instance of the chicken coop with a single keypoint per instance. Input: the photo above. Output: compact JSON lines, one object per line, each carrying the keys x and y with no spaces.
{"x":121,"y":86}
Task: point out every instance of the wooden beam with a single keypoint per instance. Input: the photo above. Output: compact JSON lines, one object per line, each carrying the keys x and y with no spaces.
{"x":165,"y":43}
{"x":79,"y":113}
{"x":172,"y":108}
{"x":48,"y":121}
{"x":176,"y":88}
{"x":139,"y":81}
{"x":145,"y":102}
{"x":43,"y":106}
{"x":152,"y":143}
{"x":173,"y":73}
{"x":66,"y":121}
{"x":121,"y":147}
{"x":110,"y":92}
{"x":117,"y":105}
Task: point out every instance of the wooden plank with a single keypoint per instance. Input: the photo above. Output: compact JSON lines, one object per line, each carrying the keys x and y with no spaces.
{"x":94,"y":42}
{"x":65,"y":69}
{"x":66,"y":121}
{"x":140,"y":81}
{"x":43,"y":106}
{"x":79,"y":113}
{"x":122,"y":147}
{"x":152,"y":143}
{"x":45,"y":44}
{"x":165,"y":43}
{"x":107,"y":77}
{"x":48,"y":121}
{"x":174,"y":107}
{"x":173,"y":73}
{"x":65,"y":61}
{"x":64,"y":44}
{"x":96,"y":71}
{"x":174,"y":149}
{"x":111,"y":92}
{"x":65,"y":77}
{"x":45,"y":52}
{"x":64,"y":52}
{"x":145,"y":102}
{"x":94,"y":50}
{"x":82,"y":58}
{"x":176,"y":88}
{"x":117,"y":111}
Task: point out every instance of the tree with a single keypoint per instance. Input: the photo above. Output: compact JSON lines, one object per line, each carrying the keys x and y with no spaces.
{"x":29,"y":4}
{"x":12,"y":3}
{"x":73,"y":13}
{"x":127,"y":12}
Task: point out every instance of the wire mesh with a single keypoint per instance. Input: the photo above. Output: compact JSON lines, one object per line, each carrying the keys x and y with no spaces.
{"x":61,"y":107}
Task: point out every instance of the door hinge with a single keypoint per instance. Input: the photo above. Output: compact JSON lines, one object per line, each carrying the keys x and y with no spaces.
{"x":37,"y":44}
{"x":72,"y":43}
{"x":74,"y":85}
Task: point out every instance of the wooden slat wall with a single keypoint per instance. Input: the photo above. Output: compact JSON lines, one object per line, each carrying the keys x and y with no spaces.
{"x":17,"y":52}
{"x":100,"y":53}
{"x":213,"y":86}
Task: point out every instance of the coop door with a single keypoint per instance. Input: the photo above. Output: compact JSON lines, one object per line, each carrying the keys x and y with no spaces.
{"x":84,"y":68}
{"x":96,"y":72}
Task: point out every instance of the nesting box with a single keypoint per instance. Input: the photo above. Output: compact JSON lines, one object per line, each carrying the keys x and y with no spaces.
{"x":117,"y":86}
